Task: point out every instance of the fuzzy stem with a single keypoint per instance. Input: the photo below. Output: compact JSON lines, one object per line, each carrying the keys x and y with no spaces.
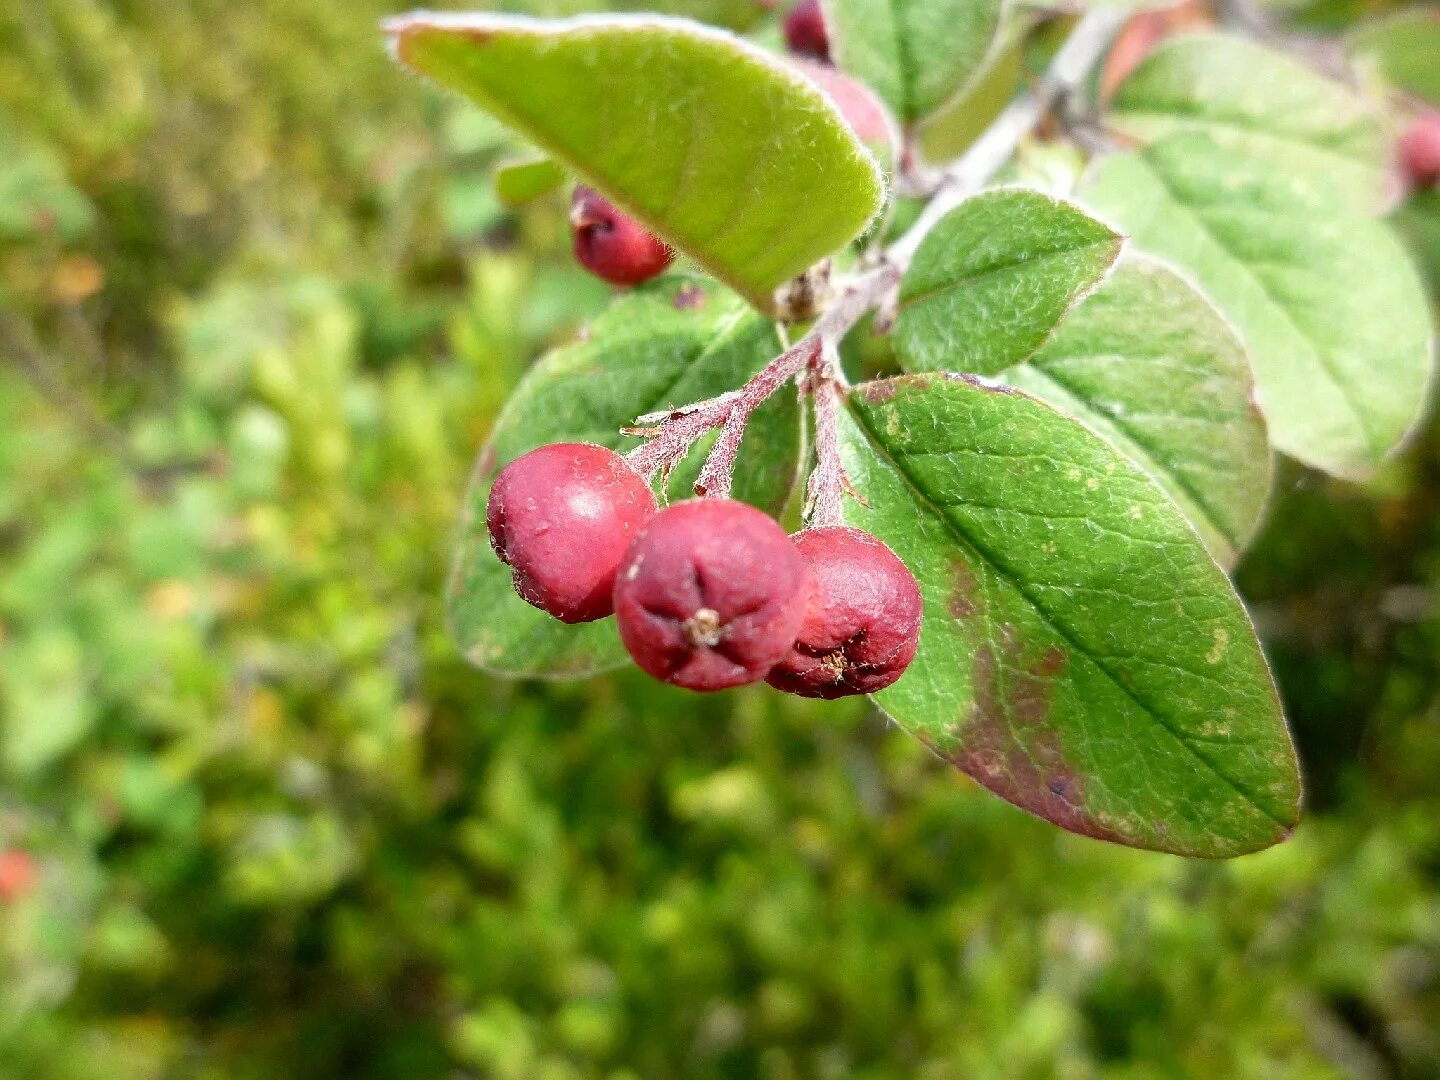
{"x":825,"y":495}
{"x":715,"y":477}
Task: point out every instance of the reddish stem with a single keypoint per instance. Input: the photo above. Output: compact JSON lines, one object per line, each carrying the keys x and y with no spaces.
{"x":825,"y":494}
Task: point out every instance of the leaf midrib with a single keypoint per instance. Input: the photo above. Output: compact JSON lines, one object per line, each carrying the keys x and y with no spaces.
{"x":1148,"y":453}
{"x":969,"y":543}
{"x":926,"y":295}
{"x":1323,"y":360}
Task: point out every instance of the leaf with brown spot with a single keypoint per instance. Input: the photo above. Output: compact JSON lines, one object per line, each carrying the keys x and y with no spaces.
{"x":1068,"y":659}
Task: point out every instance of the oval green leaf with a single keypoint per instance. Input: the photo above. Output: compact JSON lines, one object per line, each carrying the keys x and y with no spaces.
{"x":1148,"y":363}
{"x":916,"y":54}
{"x":718,"y":147}
{"x":1082,"y":655}
{"x":676,"y":341}
{"x":994,"y":278}
{"x":1262,"y":103}
{"x":1330,"y":307}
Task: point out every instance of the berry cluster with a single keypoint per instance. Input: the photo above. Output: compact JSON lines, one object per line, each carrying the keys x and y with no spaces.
{"x":709,"y":593}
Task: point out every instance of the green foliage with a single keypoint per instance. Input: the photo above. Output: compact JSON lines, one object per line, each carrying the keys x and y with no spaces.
{"x":677,"y":341}
{"x":282,"y":828}
{"x":1262,"y":104}
{"x":1052,"y":667}
{"x":916,"y":54}
{"x":1401,"y":47}
{"x":1330,"y":307}
{"x":734,"y":159}
{"x":1175,"y":394}
{"x":995,"y":277}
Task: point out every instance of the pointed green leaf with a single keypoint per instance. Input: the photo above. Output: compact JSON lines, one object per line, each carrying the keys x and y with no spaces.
{"x":1148,"y":363}
{"x":916,"y":54}
{"x":1329,"y":306}
{"x":1259,"y":102}
{"x":719,"y":147}
{"x":1404,"y":47}
{"x":994,"y":278}
{"x":1082,"y":655}
{"x":668,"y":344}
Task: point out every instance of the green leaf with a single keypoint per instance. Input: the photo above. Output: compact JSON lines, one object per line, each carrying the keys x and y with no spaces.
{"x":916,"y":54}
{"x":718,"y":147}
{"x":676,"y":341}
{"x":1260,"y":102}
{"x":1082,"y":655}
{"x":1328,"y":304}
{"x":994,"y":277}
{"x":1404,"y":48}
{"x":521,"y":179}
{"x":1149,"y":364}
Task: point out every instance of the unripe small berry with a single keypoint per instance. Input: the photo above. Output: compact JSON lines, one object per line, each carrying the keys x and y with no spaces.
{"x":561,"y":518}
{"x":1420,"y":150}
{"x":805,"y":31}
{"x":17,"y":874}
{"x":613,"y":245}
{"x":710,"y":595}
{"x":862,"y":624}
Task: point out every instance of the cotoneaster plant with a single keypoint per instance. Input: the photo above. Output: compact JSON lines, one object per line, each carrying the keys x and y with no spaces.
{"x":1017,"y":538}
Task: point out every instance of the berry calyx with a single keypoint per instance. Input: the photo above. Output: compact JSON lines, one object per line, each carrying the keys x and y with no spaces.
{"x":17,"y":874}
{"x":862,"y":624}
{"x":561,"y":518}
{"x":613,"y":245}
{"x":710,"y":595}
{"x":805,"y":31}
{"x":1420,"y":150}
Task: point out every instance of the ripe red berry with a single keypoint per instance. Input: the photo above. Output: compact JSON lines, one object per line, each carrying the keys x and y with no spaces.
{"x":613,"y":245}
{"x":710,"y":595}
{"x":561,"y":518}
{"x":862,"y":624}
{"x":805,"y":31}
{"x":17,"y":874}
{"x":1420,"y":150}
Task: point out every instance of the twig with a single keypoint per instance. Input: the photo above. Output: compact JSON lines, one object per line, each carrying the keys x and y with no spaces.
{"x":996,"y":145}
{"x":825,"y":495}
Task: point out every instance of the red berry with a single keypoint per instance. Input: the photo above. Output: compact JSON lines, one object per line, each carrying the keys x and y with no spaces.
{"x":710,"y":595}
{"x":805,"y":31}
{"x":862,"y":624}
{"x":561,"y":518}
{"x":613,"y":245}
{"x":1420,"y":150}
{"x":17,"y":874}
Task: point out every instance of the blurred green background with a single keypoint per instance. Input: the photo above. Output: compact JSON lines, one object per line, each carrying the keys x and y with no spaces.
{"x":258,"y":308}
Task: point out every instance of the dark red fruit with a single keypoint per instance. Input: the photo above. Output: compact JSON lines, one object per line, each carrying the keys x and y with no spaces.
{"x":1420,"y":150}
{"x":710,"y":595}
{"x":17,"y":874}
{"x":561,"y":518}
{"x":862,"y":624}
{"x":613,"y":245}
{"x":805,"y":31}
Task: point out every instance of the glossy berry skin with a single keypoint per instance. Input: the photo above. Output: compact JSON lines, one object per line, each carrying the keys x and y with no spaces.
{"x":17,"y":874}
{"x":862,"y":624}
{"x":710,"y":595}
{"x":805,"y":31}
{"x":561,"y":518}
{"x":1420,"y":150}
{"x":613,"y":245}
